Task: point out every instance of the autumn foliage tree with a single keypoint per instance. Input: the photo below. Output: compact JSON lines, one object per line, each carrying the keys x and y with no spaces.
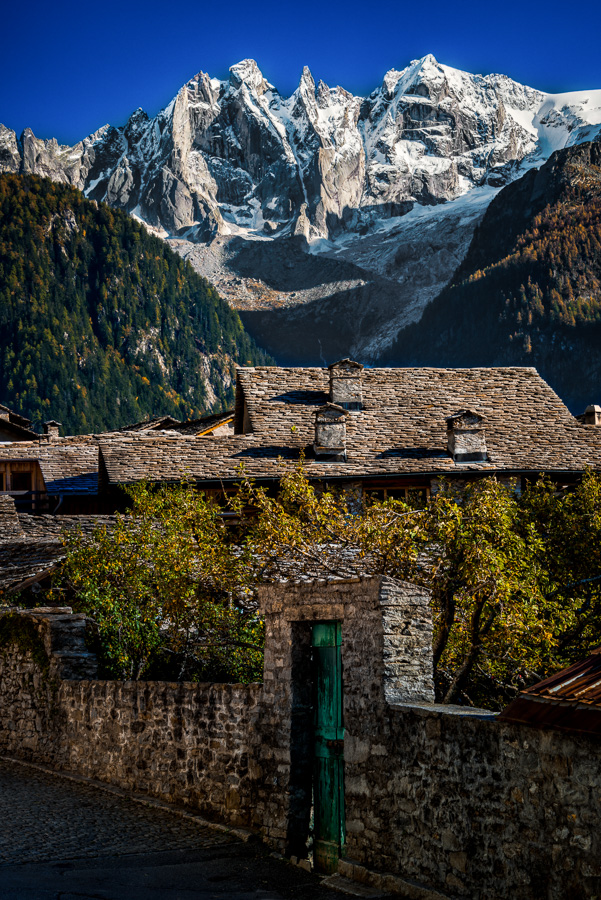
{"x":515,"y":580}
{"x":470,"y":547}
{"x":168,"y":589}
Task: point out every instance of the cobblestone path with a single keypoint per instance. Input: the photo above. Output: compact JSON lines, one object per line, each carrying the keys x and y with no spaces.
{"x":46,"y":817}
{"x":70,"y":840}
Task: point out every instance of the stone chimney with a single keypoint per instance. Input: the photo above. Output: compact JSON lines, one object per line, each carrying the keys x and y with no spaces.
{"x":466,"y":437}
{"x":10,"y":525}
{"x":51,"y":430}
{"x":330,"y":433}
{"x":592,"y":415}
{"x":346,"y":384}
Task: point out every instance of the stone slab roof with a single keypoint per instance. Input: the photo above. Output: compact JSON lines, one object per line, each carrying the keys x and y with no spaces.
{"x":206,"y":424}
{"x":16,"y":425}
{"x":401,"y":429}
{"x":21,"y":560}
{"x":160,"y":423}
{"x":69,"y":465}
{"x":192,"y":426}
{"x":14,"y":417}
{"x":48,"y":526}
{"x":16,"y":432}
{"x":31,"y":546}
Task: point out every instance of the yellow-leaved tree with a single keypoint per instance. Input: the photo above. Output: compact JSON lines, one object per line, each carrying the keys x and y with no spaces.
{"x":168,"y":588}
{"x":515,"y":580}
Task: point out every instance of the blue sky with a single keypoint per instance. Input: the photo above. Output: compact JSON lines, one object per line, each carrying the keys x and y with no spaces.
{"x":66,"y":68}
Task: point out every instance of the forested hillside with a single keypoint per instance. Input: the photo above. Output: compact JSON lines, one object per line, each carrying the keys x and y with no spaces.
{"x":101,"y":324}
{"x":529,"y":290}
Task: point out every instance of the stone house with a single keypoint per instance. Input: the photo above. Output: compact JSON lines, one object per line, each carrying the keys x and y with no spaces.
{"x":50,"y":474}
{"x":14,"y":427}
{"x":382,"y":431}
{"x":55,"y":474}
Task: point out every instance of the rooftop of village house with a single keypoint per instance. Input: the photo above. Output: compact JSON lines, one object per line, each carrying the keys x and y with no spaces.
{"x":32,"y":545}
{"x":569,"y":700}
{"x":13,"y":426}
{"x":398,"y":428}
{"x":69,"y":465}
{"x":397,"y":424}
{"x":195,"y":427}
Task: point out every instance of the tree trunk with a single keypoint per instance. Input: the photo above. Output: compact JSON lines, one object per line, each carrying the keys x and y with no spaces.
{"x":465,"y":669}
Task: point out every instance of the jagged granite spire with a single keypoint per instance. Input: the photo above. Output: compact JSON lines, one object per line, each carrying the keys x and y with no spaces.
{"x":236,"y":157}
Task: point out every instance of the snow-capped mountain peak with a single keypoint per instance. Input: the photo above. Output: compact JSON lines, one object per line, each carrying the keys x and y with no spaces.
{"x":248,"y":73}
{"x":237,"y":157}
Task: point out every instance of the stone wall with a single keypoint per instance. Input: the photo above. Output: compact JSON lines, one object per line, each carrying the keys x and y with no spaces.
{"x":450,"y":802}
{"x":184,"y":743}
{"x":239,"y":752}
{"x":476,"y":808}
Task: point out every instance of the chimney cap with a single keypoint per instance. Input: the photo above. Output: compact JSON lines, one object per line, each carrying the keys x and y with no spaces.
{"x":346,"y":363}
{"x":331,"y":410}
{"x":330,"y":433}
{"x":464,"y":417}
{"x":591,"y":415}
{"x":346,"y":384}
{"x":465,"y":436}
{"x":51,"y":429}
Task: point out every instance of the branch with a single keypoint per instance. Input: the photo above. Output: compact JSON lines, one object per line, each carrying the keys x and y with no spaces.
{"x":571,"y":584}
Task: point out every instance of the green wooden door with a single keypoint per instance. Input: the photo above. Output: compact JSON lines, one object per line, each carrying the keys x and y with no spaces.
{"x":328,"y":782}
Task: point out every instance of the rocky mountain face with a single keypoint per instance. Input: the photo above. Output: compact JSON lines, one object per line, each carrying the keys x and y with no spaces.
{"x":369,"y":182}
{"x":529,"y":290}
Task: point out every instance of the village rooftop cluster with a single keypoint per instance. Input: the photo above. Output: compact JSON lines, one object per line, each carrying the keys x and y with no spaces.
{"x":384,"y":432}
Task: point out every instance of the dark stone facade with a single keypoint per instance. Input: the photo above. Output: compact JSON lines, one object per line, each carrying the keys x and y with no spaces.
{"x":478,"y":808}
{"x":447,"y":802}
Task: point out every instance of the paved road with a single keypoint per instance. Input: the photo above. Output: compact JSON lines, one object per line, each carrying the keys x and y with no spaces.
{"x":66,"y":840}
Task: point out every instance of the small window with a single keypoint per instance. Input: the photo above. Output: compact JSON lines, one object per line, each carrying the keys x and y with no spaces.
{"x":396,"y":493}
{"x":417,"y":497}
{"x":21,"y":481}
{"x":2,"y":488}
